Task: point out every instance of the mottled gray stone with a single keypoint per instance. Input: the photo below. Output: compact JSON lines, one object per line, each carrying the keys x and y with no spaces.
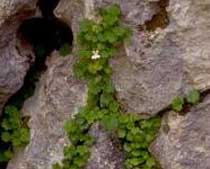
{"x":184,"y":140}
{"x":155,"y":66}
{"x":159,"y":65}
{"x":15,"y":57}
{"x":57,"y":97}
{"x":148,"y":73}
{"x":105,"y":154}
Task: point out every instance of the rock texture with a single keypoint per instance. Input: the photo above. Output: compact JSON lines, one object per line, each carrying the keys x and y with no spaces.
{"x":167,"y":62}
{"x":15,"y":57}
{"x":148,"y":73}
{"x":184,"y":140}
{"x":57,"y":97}
{"x":157,"y":65}
{"x":105,"y":154}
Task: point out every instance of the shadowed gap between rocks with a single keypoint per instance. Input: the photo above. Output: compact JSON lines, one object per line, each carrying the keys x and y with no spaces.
{"x":45,"y":34}
{"x":160,"y":20}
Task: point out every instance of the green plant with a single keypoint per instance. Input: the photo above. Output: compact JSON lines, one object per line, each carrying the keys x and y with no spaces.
{"x":177,"y":103}
{"x":65,"y":50}
{"x":13,"y":131}
{"x":136,"y":135}
{"x":98,"y":43}
{"x":193,"y":97}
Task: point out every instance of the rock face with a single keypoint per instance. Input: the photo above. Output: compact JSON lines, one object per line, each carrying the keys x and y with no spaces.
{"x":167,"y":62}
{"x":57,"y":97}
{"x":157,"y":65}
{"x":185,"y":144}
{"x":15,"y":57}
{"x":148,"y":73}
{"x":105,"y":154}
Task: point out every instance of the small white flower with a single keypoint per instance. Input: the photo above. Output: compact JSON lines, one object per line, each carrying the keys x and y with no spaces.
{"x":95,"y":55}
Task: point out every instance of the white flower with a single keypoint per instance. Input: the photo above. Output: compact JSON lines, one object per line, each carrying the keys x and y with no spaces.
{"x":95,"y":55}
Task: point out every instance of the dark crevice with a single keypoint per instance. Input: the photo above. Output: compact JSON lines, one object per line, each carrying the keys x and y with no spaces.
{"x":159,"y":20}
{"x":44,"y":34}
{"x":47,"y":7}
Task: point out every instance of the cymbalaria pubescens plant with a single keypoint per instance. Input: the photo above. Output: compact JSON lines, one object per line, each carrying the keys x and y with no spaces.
{"x":14,"y":132}
{"x":98,"y":43}
{"x":192,"y":98}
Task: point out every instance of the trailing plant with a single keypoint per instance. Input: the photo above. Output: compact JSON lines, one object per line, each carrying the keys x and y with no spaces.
{"x":193,"y":97}
{"x":98,"y":42}
{"x":13,"y":132}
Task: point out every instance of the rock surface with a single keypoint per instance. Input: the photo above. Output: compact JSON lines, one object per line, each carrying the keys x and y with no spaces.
{"x":105,"y":154}
{"x":15,"y":58}
{"x":184,"y":140}
{"x":148,"y":73}
{"x":57,"y":97}
{"x":167,"y":62}
{"x":157,"y":65}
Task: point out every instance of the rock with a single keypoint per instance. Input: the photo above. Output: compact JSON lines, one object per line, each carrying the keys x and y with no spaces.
{"x":57,"y":97}
{"x":148,"y":73}
{"x":105,"y":154}
{"x":184,"y":140}
{"x":74,"y":11}
{"x":134,"y":13}
{"x":157,"y":66}
{"x":15,"y":57}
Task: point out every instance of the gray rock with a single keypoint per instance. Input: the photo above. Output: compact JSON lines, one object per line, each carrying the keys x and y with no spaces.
{"x":57,"y":97}
{"x":15,"y":57}
{"x":159,"y":65}
{"x":155,"y":66}
{"x":148,"y":73}
{"x":105,"y":154}
{"x":184,"y":140}
{"x":134,"y":13}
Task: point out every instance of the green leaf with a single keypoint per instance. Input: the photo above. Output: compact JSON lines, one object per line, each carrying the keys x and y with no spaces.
{"x":95,"y":67}
{"x":127,"y":147}
{"x":8,"y":154}
{"x":24,"y":136}
{"x":57,"y":166}
{"x":65,"y":50}
{"x":150,"y":162}
{"x":5,"y":136}
{"x":121,"y":133}
{"x":136,"y":161}
{"x":193,"y":97}
{"x":114,"y":10}
{"x":110,"y":122}
{"x":86,"y":25}
{"x":3,"y":158}
{"x":177,"y":103}
{"x":114,"y":107}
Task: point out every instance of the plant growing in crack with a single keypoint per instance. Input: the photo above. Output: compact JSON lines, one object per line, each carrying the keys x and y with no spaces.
{"x":98,"y":43}
{"x":192,"y":98}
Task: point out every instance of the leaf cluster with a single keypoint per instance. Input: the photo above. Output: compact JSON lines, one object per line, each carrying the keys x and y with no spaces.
{"x":104,"y":36}
{"x":13,"y":132}
{"x":192,"y":98}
